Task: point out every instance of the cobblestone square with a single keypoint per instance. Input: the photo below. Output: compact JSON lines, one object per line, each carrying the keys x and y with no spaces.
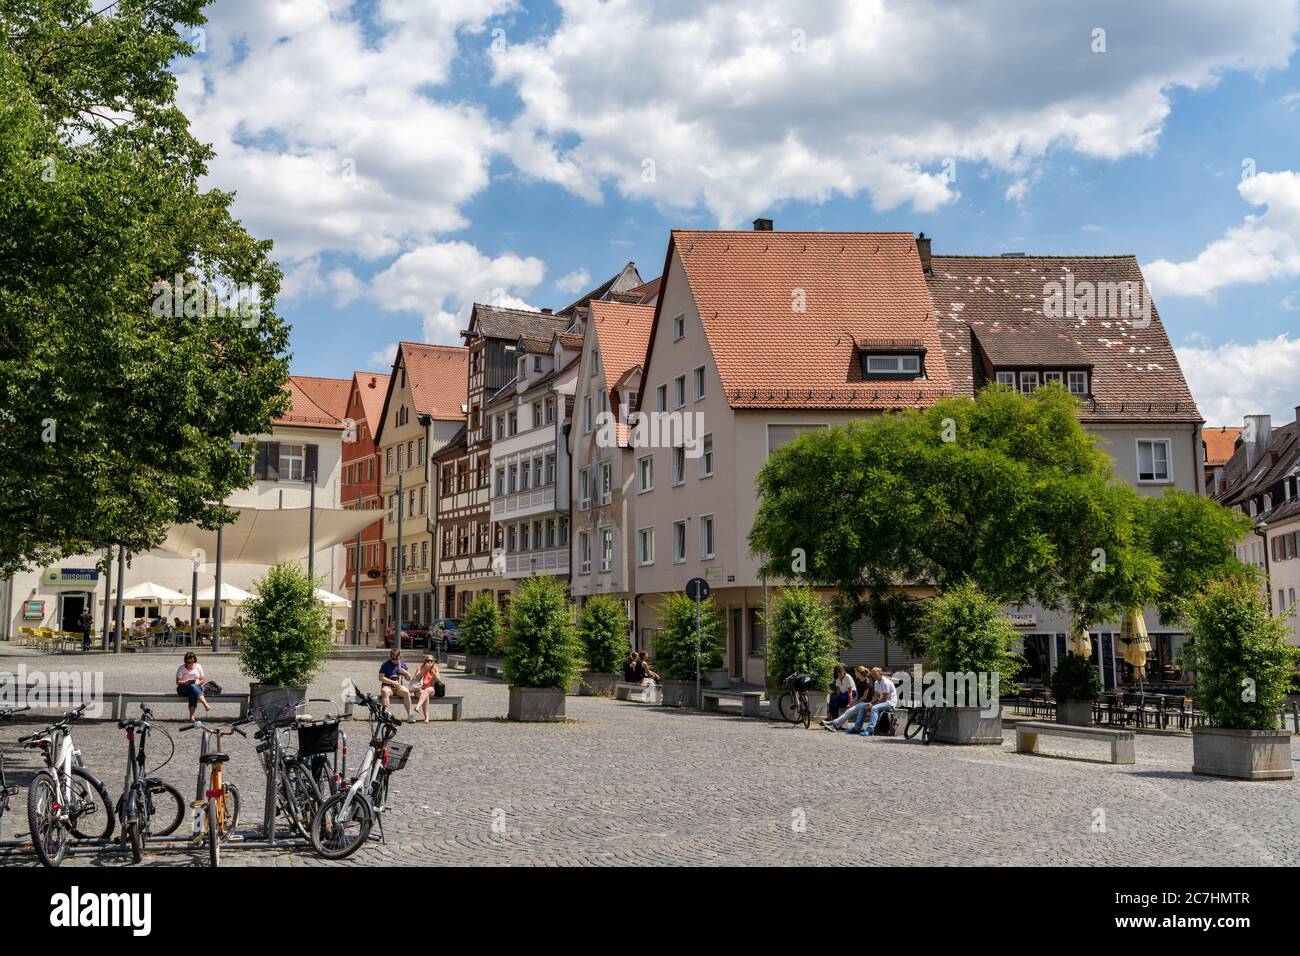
{"x":625,"y":783}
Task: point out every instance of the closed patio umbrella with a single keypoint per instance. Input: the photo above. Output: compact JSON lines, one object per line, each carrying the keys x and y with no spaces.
{"x":1081,"y":643}
{"x":1134,"y":631}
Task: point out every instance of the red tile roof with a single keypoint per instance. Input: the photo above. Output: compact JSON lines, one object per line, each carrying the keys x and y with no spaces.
{"x":1000,"y":301}
{"x":316,"y":402}
{"x":372,"y":387}
{"x":439,"y":379}
{"x":1220,"y":443}
{"x":782,"y":311}
{"x":622,"y":332}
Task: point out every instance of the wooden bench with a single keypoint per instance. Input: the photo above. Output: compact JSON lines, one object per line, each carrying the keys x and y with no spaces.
{"x":749,"y":700}
{"x":643,"y":693}
{"x":120,"y":700}
{"x":395,"y":706}
{"x":1121,"y":741}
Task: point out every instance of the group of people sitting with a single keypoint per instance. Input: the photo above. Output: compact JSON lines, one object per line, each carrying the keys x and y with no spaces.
{"x":863,"y":697}
{"x":414,"y":690}
{"x":637,"y":669}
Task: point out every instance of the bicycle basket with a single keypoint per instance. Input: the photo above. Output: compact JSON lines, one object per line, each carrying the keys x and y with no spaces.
{"x":799,"y":681}
{"x":318,"y":737}
{"x":398,"y":754}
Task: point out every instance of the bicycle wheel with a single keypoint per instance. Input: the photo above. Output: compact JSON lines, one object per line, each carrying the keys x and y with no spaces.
{"x":805,"y":712}
{"x":301,"y":800}
{"x":379,"y":793}
{"x":788,"y":707}
{"x":915,"y":718}
{"x":229,"y":810}
{"x":214,"y":834}
{"x":49,"y":839}
{"x":91,"y":816}
{"x":134,"y":825}
{"x":336,"y":832}
{"x":931,"y":724}
{"x":163,"y":796}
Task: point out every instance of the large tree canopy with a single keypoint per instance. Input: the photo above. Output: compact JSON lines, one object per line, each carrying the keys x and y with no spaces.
{"x":118,"y":402}
{"x":1007,"y":491}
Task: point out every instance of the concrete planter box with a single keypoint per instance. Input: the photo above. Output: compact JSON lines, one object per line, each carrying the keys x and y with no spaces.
{"x":536,"y":704}
{"x":474,"y":663}
{"x":268,"y":701}
{"x":718,"y":679}
{"x":1242,"y":754}
{"x":597,"y":684}
{"x":574,"y":689}
{"x":968,"y":725}
{"x":818,"y":704}
{"x":679,"y":693}
{"x":1076,"y":713}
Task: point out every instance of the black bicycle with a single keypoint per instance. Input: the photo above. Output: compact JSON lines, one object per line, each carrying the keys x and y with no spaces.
{"x":300,"y":782}
{"x":146,"y":801}
{"x":7,"y":792}
{"x":923,"y":720}
{"x":793,"y":704}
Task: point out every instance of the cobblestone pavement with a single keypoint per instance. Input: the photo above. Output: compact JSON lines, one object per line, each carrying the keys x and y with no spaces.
{"x":626,"y":783}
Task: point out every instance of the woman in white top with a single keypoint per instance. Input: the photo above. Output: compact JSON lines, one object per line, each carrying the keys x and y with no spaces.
{"x":190,"y":681}
{"x":843,"y":691}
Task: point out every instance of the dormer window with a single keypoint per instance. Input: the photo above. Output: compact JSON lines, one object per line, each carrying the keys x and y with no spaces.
{"x":1078,"y":382}
{"x":1007,"y":379}
{"x":892,"y":360}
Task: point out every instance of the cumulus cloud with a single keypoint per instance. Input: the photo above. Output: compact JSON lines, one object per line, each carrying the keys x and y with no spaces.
{"x":382,"y":359}
{"x":740,"y":104}
{"x":1236,"y":379}
{"x":576,"y":282}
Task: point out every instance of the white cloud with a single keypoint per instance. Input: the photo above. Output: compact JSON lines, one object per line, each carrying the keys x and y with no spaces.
{"x":1232,"y":380}
{"x":1291,"y":302}
{"x":382,"y":359}
{"x":1016,"y":191}
{"x":441,"y":281}
{"x":1264,"y":248}
{"x":576,"y":282}
{"x":737,"y":105}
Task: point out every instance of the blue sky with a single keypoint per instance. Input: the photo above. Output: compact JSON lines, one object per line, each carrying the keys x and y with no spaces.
{"x":409,"y":158}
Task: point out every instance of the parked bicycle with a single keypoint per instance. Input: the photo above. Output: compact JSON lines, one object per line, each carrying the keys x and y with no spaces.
{"x":216,"y":803}
{"x":64,"y":799}
{"x":345,"y":820}
{"x":7,"y":792}
{"x":146,"y":801}
{"x":793,"y":704}
{"x":297,"y":792}
{"x":923,"y":720}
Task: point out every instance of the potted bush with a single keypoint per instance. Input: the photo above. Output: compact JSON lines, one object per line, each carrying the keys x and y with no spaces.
{"x":675,"y":658}
{"x":480,"y":633}
{"x":801,"y":638}
{"x":602,"y":627}
{"x":542,"y":651}
{"x":1076,"y":685}
{"x":968,"y":638}
{"x":1243,"y":669}
{"x":286,"y":636}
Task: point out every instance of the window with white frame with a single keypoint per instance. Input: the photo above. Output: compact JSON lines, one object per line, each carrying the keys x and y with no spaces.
{"x":606,"y":482}
{"x":706,"y":537}
{"x":584,"y":489}
{"x":1028,"y":382}
{"x":679,"y":391}
{"x":1153,"y":459}
{"x":645,"y":473}
{"x":661,"y":398}
{"x":584,"y":552}
{"x":293,"y":461}
{"x":679,"y":327}
{"x":706,"y":457}
{"x":645,"y":546}
{"x":679,"y":542}
{"x":1053,"y":378}
{"x":606,"y":548}
{"x":1007,"y":378}
{"x":679,"y":466}
{"x":893,"y":365}
{"x":699,"y":383}
{"x":1078,"y":382}
{"x":586,"y":413}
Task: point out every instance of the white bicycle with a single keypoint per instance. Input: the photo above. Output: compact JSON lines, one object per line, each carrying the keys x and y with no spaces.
{"x":65,"y":799}
{"x":345,"y":820}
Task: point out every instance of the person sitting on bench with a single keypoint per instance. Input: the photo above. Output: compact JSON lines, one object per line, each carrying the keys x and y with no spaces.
{"x":884,"y":698}
{"x":844,"y":692}
{"x":643,"y":671}
{"x":425,"y":684}
{"x":189,"y":683}
{"x":630,"y":675}
{"x":392,"y":673}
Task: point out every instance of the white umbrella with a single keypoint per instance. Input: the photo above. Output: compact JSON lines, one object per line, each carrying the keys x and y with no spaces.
{"x":146,"y":592}
{"x":326,"y":599}
{"x":1080,"y":643}
{"x":231,"y":596}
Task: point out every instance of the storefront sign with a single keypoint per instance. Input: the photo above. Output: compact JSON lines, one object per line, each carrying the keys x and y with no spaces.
{"x":1023,"y":619}
{"x":69,"y":577}
{"x":33,"y":610}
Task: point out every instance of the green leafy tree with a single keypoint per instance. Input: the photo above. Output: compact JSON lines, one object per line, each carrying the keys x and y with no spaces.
{"x":286,"y":634}
{"x":118,"y":400}
{"x":480,"y":632}
{"x":675,"y":643}
{"x":1240,"y":656}
{"x":801,"y":637}
{"x":967,"y":631}
{"x":1076,"y":678}
{"x":543,"y":649}
{"x":602,"y":626}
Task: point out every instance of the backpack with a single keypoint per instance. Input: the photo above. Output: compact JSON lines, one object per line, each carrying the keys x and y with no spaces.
{"x":885,"y":726}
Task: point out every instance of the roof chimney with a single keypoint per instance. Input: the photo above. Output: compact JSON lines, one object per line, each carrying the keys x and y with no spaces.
{"x":546,"y":312}
{"x":1255,"y":434}
{"x":1297,"y":413}
{"x":923,"y":250}
{"x":762,"y":225}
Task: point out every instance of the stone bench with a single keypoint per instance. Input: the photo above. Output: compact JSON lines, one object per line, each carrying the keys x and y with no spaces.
{"x":397,"y":709}
{"x":1121,"y":741}
{"x":644,"y":693}
{"x":456,"y":661}
{"x":494,"y":670}
{"x":749,"y":700}
{"x":120,"y":700}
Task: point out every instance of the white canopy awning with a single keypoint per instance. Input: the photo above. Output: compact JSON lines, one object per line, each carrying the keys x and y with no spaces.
{"x":231,"y":596}
{"x":326,"y":599}
{"x":146,"y":592}
{"x":268,"y":536}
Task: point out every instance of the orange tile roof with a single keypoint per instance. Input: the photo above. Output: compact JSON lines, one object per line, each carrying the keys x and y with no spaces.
{"x":372,"y":387}
{"x":1220,"y":443}
{"x":439,"y":379}
{"x":782,"y":311}
{"x":316,"y":402}
{"x":622,"y":332}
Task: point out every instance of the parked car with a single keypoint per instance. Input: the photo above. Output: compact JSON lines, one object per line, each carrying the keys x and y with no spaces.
{"x":446,"y":635}
{"x":413,"y":636}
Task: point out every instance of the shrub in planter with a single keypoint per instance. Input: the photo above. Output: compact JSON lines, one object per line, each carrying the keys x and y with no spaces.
{"x":802,"y":638}
{"x":966,"y":631}
{"x":1243,"y":670}
{"x":675,"y":658}
{"x":1075,"y":685}
{"x":286,"y":636}
{"x":602,"y":628}
{"x":542,"y":651}
{"x":481,"y":633}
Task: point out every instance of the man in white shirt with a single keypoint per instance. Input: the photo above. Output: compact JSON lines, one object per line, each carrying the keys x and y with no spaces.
{"x":884,"y":697}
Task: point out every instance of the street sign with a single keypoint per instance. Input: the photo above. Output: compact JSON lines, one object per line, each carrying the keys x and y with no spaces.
{"x":697,"y":589}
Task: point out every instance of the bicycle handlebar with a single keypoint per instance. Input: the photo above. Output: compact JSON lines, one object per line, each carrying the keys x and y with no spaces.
{"x":10,"y":711}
